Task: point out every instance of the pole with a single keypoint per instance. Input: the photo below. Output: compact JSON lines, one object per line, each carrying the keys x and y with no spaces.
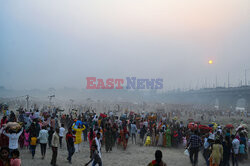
{"x":216,"y":81}
{"x":72,"y":101}
{"x":245,"y":77}
{"x":27,"y":102}
{"x":118,"y":107}
{"x":228,"y":84}
{"x":50,"y":98}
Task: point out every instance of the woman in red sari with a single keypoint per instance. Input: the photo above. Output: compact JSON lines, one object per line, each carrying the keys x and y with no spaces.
{"x":124,"y":137}
{"x":91,"y":137}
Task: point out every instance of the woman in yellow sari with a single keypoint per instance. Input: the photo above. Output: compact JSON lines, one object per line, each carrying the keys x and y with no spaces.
{"x":79,"y":131}
{"x":217,"y":154}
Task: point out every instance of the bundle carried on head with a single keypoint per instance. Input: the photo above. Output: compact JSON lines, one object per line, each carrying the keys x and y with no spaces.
{"x":14,"y":127}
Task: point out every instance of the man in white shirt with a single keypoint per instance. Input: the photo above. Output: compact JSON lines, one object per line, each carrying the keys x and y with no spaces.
{"x":13,"y":139}
{"x":235,"y":150}
{"x":37,"y":114}
{"x":61,"y":134}
{"x":43,"y":139}
{"x":98,"y":143}
{"x":133,"y":132}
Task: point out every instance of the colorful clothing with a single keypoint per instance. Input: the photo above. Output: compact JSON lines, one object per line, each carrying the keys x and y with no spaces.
{"x":26,"y":139}
{"x":242,"y":149}
{"x":78,"y":134}
{"x":168,"y":137}
{"x":148,"y":141}
{"x":154,"y":163}
{"x":217,"y":154}
{"x":15,"y":162}
{"x":33,"y":140}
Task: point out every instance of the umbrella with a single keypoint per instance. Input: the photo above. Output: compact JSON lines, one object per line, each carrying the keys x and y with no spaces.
{"x":211,"y":125}
{"x":103,"y":115}
{"x":27,"y":113}
{"x":205,"y":129}
{"x":192,"y":126}
{"x":79,"y":123}
{"x":32,"y":117}
{"x":230,"y":126}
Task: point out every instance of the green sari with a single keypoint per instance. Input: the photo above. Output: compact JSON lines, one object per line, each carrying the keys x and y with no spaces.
{"x":168,"y":137}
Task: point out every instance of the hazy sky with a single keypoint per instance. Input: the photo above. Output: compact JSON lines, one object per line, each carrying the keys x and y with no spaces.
{"x":59,"y":43}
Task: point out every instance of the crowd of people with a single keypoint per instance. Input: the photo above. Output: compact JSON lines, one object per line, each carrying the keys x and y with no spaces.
{"x":218,"y":144}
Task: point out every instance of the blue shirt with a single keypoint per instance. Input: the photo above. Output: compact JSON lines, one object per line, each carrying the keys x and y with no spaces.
{"x":242,"y":149}
{"x":133,"y":128}
{"x":206,"y":144}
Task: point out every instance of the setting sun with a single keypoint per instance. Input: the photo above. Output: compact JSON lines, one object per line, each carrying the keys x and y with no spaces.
{"x":210,"y":62}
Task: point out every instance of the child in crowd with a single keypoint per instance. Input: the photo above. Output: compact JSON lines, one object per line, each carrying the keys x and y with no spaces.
{"x":148,"y":140}
{"x":242,"y":151}
{"x":15,"y":160}
{"x":26,"y":139}
{"x":33,"y":142}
